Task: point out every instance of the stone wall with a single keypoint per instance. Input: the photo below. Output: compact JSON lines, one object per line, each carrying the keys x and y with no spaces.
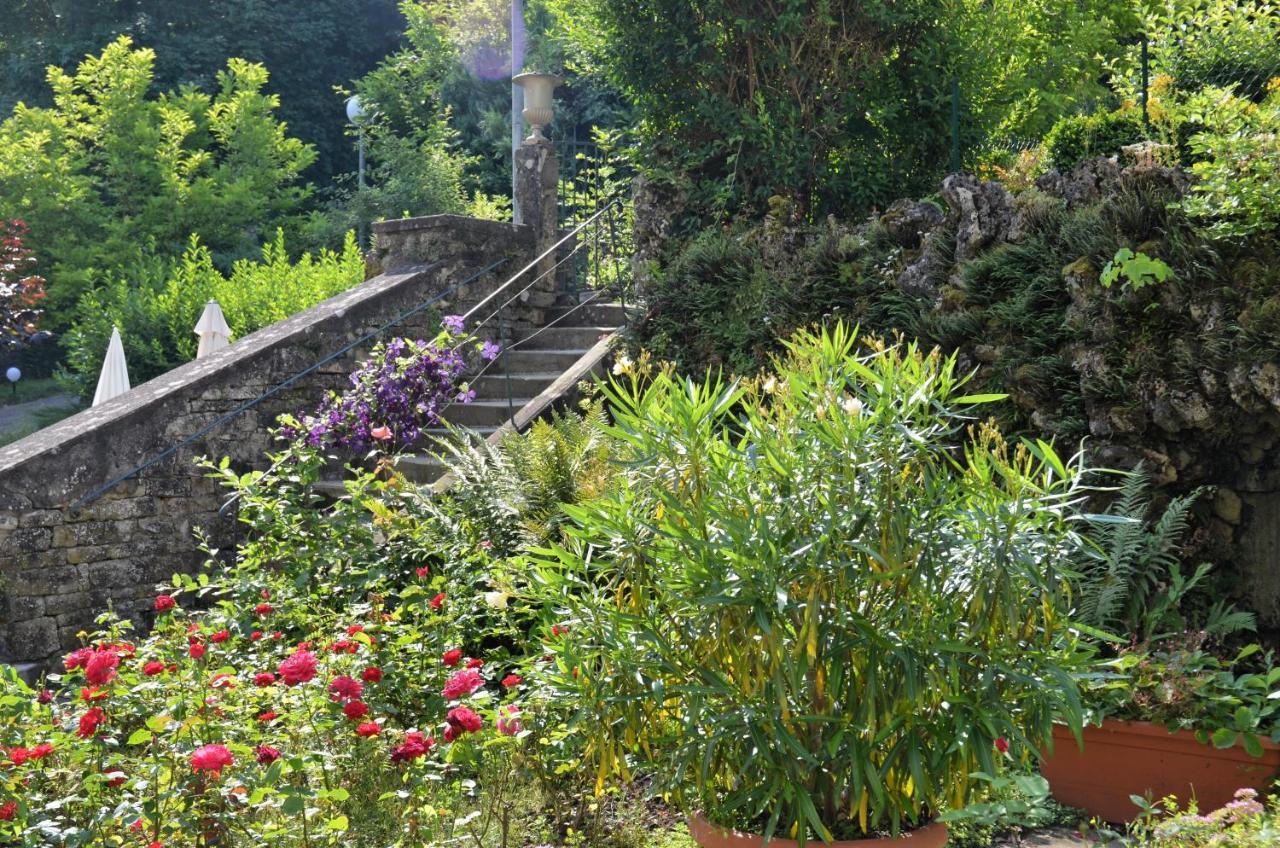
{"x":60,"y":567}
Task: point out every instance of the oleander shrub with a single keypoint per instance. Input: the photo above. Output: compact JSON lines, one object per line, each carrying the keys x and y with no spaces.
{"x":821,"y":600}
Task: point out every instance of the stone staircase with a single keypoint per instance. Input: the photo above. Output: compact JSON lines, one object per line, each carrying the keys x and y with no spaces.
{"x":521,"y":383}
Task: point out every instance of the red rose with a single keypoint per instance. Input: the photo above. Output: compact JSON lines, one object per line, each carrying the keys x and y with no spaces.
{"x":40,"y":751}
{"x":92,"y":693}
{"x":115,"y":778}
{"x":220,"y":636}
{"x":263,"y":609}
{"x":164,"y":603}
{"x":354,"y":629}
{"x":45,"y":696}
{"x":268,"y":715}
{"x":100,"y":668}
{"x":153,"y":668}
{"x":372,"y":674}
{"x":267,"y":755}
{"x":277,"y":635}
{"x":298,"y":667}
{"x":8,"y":811}
{"x":414,"y":746}
{"x":77,"y":658}
{"x":464,"y":718}
{"x":344,"y":688}
{"x":475,"y":663}
{"x":18,"y":756}
{"x":342,"y":645}
{"x":368,"y":728}
{"x":438,"y":601}
{"x":1002,"y":745}
{"x":264,"y":678}
{"x":451,"y":658}
{"x":355,"y":710}
{"x":255,"y":635}
{"x":511,"y":680}
{"x":90,"y":722}
{"x":461,"y":684}
{"x":211,"y":758}
{"x":422,"y":571}
{"x":197,"y":650}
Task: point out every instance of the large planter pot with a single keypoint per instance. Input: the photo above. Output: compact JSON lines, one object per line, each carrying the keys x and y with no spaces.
{"x":709,"y":835}
{"x":1123,"y":758}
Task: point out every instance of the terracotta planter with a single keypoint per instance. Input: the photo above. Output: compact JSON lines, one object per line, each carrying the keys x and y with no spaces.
{"x":1123,"y":758}
{"x":709,"y":835}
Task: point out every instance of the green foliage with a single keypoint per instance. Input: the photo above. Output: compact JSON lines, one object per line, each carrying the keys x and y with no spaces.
{"x":156,"y":304}
{"x":1079,"y":137}
{"x":839,"y":106}
{"x":309,"y":46}
{"x":513,"y":492}
{"x":796,"y":669}
{"x":1011,"y":804}
{"x":108,"y":175}
{"x":1136,"y":269}
{"x":1132,"y":582}
{"x":1237,"y":167}
{"x":1184,"y":687}
{"x":1198,"y":44}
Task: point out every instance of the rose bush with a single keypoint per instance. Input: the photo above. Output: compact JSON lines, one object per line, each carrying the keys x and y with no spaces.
{"x":343,"y":678}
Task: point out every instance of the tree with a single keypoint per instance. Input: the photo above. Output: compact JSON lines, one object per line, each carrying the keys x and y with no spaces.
{"x":448,"y":88}
{"x":308,"y":47}
{"x":835,"y":105}
{"x":109,"y":174}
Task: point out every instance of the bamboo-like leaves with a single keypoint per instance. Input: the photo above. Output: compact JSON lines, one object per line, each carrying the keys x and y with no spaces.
{"x":833,"y":596}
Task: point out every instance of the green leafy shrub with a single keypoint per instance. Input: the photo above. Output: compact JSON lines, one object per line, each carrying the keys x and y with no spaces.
{"x":1237,"y":167}
{"x":1202,"y":44}
{"x":811,"y":647}
{"x":156,"y":304}
{"x":1080,"y":137}
{"x":1182,"y":686}
{"x":110,"y":174}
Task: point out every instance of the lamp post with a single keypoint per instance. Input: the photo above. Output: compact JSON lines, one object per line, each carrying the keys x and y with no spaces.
{"x":517,"y":101}
{"x":355,"y":114}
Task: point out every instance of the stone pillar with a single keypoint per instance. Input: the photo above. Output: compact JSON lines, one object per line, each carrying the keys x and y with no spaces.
{"x":537,"y":175}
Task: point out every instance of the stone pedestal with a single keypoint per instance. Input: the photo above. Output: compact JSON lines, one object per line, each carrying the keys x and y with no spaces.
{"x":537,"y":175}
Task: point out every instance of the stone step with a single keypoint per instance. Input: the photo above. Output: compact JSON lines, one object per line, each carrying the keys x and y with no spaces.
{"x":563,"y":338}
{"x":604,"y":314}
{"x":537,"y":361}
{"x":493,"y":383}
{"x":421,"y":468}
{"x":483,"y":411}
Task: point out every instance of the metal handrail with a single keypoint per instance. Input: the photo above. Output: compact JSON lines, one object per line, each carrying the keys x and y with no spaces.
{"x":83,"y":501}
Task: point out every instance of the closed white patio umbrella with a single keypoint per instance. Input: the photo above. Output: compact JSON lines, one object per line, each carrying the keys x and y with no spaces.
{"x":114,"y":379}
{"x":212,"y":329}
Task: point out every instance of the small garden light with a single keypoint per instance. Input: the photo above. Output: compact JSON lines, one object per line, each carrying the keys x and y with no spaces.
{"x":14,"y":375}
